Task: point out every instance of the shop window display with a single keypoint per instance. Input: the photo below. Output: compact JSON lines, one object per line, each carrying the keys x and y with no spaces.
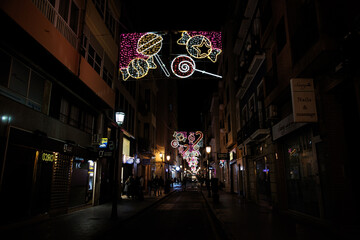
{"x":302,"y":174}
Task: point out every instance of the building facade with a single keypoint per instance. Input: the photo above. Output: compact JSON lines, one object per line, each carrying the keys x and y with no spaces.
{"x":57,"y":101}
{"x":293,"y":146}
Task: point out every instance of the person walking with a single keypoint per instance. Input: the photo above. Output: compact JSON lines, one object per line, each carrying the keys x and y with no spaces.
{"x":161,"y":186}
{"x":155,"y":184}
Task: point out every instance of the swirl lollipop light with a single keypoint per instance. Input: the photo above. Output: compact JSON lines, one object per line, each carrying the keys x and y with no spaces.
{"x":184,"y":66}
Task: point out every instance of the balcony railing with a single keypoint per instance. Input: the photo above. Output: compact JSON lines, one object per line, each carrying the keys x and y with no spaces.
{"x":254,"y":124}
{"x":55,"y":18}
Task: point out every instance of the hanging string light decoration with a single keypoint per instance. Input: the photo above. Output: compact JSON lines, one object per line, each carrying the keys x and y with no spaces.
{"x":188,"y":146}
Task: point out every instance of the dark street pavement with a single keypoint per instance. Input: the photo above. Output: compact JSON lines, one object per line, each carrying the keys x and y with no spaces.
{"x":183,"y":215}
{"x":180,"y":214}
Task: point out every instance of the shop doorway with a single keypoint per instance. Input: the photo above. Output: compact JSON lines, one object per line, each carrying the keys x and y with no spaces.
{"x":263,"y":181}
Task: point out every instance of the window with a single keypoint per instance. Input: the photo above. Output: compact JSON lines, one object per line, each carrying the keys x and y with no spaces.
{"x":100,"y":6}
{"x":26,"y":85}
{"x":110,"y":22}
{"x":4,"y":68}
{"x":64,"y":111}
{"x":244,"y":116}
{"x":251,"y":106}
{"x":74,"y":116}
{"x":19,"y":78}
{"x":229,"y":123}
{"x":88,"y":122}
{"x":305,"y":28}
{"x":64,"y":9}
{"x":280,"y":35}
{"x":95,"y":55}
{"x":94,"y":59}
{"x":74,"y":17}
{"x":106,"y":14}
{"x":36,"y":88}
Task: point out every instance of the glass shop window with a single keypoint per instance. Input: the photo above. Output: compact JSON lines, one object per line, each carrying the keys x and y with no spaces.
{"x":301,"y":174}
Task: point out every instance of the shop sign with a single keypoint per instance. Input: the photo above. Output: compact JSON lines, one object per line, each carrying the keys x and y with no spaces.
{"x":303,"y":100}
{"x":68,"y":148}
{"x":284,"y":127}
{"x":47,"y":157}
{"x":145,"y":161}
{"x":103,"y":153}
{"x":223,"y":156}
{"x":103,"y":143}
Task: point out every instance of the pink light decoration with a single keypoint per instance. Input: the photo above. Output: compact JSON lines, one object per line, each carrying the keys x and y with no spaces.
{"x":128,"y":45}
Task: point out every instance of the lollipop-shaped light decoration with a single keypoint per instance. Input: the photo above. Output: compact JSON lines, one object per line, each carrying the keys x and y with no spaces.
{"x":149,"y":45}
{"x":184,"y":66}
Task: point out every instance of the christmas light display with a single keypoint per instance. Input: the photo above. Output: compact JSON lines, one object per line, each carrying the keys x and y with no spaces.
{"x":184,"y":66}
{"x":202,"y":44}
{"x":149,"y":45}
{"x":188,"y":146}
{"x":137,"y":51}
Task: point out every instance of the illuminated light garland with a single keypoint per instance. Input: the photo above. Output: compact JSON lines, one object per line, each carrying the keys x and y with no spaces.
{"x":137,"y":51}
{"x":138,"y":68}
{"x":184,"y":66}
{"x":150,"y":44}
{"x":127,"y":48}
{"x":189,"y":151}
{"x":195,"y":42}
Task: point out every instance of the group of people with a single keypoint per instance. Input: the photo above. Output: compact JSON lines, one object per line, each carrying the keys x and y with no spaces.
{"x":156,"y":185}
{"x":134,"y":187}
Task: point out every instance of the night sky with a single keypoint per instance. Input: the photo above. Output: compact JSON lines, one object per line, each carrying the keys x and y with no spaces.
{"x":194,"y":100}
{"x":195,"y":92}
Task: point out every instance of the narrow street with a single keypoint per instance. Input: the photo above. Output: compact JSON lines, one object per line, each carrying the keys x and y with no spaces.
{"x":183,"y":215}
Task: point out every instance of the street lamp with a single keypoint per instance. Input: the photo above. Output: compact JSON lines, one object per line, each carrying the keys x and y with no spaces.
{"x":168,"y":162}
{"x":119,"y":118}
{"x":167,"y":176}
{"x":208,"y":151}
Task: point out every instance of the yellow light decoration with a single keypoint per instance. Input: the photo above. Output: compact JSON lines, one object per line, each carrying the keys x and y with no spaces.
{"x":195,"y":44}
{"x":138,"y":68}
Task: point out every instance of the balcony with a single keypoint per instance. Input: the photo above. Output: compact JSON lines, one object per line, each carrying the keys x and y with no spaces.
{"x":253,"y":130}
{"x":54,"y":17}
{"x":43,"y":23}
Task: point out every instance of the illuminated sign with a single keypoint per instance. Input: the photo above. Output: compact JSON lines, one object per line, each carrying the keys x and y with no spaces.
{"x":103,"y":143}
{"x":47,"y":157}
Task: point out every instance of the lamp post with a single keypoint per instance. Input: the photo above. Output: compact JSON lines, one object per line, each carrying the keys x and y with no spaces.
{"x":119,"y":118}
{"x":168,"y":162}
{"x":208,"y":151}
{"x":162,"y":161}
{"x":167,"y":179}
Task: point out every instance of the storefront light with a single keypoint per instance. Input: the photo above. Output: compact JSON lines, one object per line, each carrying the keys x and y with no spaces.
{"x":6,"y":118}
